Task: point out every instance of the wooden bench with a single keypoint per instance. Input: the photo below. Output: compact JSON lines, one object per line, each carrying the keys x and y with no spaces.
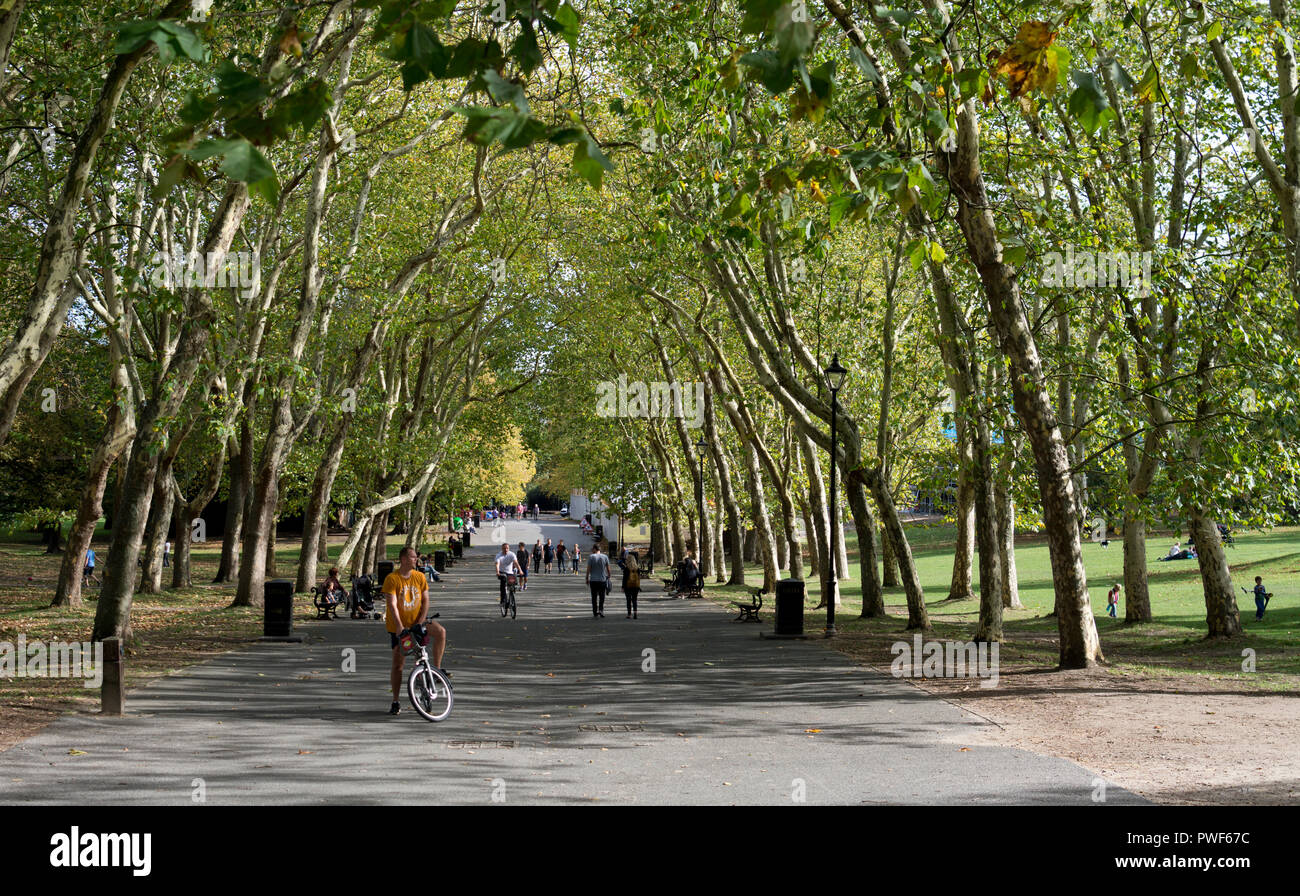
{"x":325,"y":609}
{"x":749,"y":611}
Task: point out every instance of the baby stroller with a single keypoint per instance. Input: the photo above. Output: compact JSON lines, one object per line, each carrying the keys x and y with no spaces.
{"x":361,"y":600}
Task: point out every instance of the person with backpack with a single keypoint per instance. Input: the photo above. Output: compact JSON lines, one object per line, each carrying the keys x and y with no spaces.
{"x":1112,"y":600}
{"x":631,"y":585}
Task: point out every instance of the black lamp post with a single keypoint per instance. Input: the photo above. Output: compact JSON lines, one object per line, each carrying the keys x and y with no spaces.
{"x":700,"y":445}
{"x":834,"y":379}
{"x":654,"y":476}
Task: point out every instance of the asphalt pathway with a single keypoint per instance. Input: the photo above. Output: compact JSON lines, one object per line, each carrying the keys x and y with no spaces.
{"x":681,"y":706}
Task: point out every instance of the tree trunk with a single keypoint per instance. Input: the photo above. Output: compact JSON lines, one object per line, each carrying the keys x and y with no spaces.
{"x":1007,"y":531}
{"x":113,"y":613}
{"x":1221,"y":613}
{"x":236,"y":505}
{"x":964,"y":557}
{"x":917,"y":617}
{"x":987,"y":535}
{"x":1137,"y":593}
{"x":159,"y":528}
{"x":889,"y":562}
{"x":181,"y":531}
{"x":873,"y":598}
{"x":116,"y":438}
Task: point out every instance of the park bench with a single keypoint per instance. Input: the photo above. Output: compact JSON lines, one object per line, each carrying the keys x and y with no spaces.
{"x":678,"y":588}
{"x":749,"y":610}
{"x":325,"y":609}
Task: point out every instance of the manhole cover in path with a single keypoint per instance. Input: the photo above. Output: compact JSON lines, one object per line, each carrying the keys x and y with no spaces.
{"x":480,"y":745}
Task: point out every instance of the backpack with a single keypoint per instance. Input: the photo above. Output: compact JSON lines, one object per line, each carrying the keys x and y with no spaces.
{"x":633,"y":578}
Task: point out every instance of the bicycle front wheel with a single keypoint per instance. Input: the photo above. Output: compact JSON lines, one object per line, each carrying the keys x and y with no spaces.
{"x":512,"y":605}
{"x":430,"y":693}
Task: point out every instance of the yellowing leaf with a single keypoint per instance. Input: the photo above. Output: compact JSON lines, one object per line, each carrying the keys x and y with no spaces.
{"x":1027,"y":63}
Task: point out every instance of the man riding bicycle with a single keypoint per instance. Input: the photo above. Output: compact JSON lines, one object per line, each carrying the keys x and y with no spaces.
{"x":407,"y":593}
{"x":507,"y":564}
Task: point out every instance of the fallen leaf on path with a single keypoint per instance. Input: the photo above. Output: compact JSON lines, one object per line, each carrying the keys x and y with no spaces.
{"x":305,"y":752}
{"x":75,"y":752}
{"x":812,"y":731}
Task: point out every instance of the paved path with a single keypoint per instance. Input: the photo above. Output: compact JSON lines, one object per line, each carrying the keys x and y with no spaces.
{"x":551,"y":707}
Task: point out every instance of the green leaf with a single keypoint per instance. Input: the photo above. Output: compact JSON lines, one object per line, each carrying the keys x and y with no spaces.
{"x":1214,"y":31}
{"x":1088,"y":103}
{"x":504,"y":91}
{"x":237,"y":87}
{"x":425,"y":50}
{"x":775,"y":75}
{"x":306,"y":105}
{"x":864,"y":65}
{"x":1146,"y":89}
{"x":1112,"y":67}
{"x":566,"y":24}
{"x":241,"y":160}
{"x":525,"y":50}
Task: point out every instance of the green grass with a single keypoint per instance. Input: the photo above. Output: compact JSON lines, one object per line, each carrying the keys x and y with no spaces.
{"x":1173,"y":644}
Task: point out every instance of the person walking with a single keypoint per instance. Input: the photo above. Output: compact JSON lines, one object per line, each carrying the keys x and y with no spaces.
{"x":548,"y":556}
{"x":632,"y":586}
{"x":561,"y":556}
{"x":597,"y":581}
{"x":1112,"y":600}
{"x":167,"y":552}
{"x":577,"y":556}
{"x":1261,"y":599}
{"x":537,"y":556}
{"x":523,"y":567}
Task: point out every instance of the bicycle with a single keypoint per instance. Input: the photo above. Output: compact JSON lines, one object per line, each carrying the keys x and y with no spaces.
{"x":508,"y":602}
{"x":427,"y":687}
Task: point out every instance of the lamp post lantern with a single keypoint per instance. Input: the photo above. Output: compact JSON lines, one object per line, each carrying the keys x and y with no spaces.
{"x":834,"y":379}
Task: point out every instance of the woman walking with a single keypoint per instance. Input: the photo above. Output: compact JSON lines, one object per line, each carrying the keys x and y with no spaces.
{"x":631,"y":586}
{"x":577,"y":555}
{"x":523,"y":567}
{"x":548,"y":556}
{"x":537,"y":556}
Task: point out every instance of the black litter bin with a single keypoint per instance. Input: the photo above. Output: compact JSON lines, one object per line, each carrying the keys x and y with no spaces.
{"x":789,"y":607}
{"x":382,"y":570}
{"x":457,"y":550}
{"x":465,"y":539}
{"x":439,"y":561}
{"x":277,"y":608}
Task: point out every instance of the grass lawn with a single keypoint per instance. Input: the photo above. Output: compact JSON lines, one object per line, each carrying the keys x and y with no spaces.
{"x":1174,"y":644}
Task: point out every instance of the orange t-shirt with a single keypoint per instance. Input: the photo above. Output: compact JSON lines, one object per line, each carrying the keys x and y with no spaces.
{"x":409,"y":590}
